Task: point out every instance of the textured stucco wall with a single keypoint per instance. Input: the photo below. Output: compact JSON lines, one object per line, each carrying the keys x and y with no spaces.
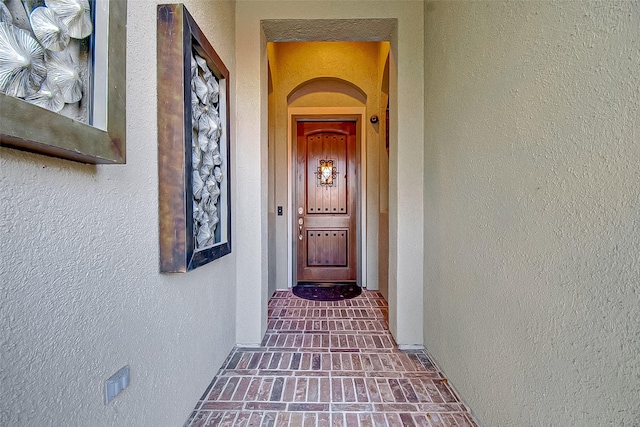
{"x":272,"y":207}
{"x":80,"y":291}
{"x":406,"y":236}
{"x":383,"y":168}
{"x":532,"y":225}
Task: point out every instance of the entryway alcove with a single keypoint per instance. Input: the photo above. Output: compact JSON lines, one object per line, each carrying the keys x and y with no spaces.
{"x":329,"y":80}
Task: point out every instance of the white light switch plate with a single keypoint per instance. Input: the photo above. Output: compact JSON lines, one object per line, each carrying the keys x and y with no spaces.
{"x":114,"y":385}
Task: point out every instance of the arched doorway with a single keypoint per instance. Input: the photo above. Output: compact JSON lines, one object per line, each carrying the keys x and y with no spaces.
{"x":325,"y":79}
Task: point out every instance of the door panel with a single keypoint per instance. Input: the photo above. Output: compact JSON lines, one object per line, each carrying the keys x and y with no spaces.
{"x":327,"y":247}
{"x":326,"y":198}
{"x":326,"y":201}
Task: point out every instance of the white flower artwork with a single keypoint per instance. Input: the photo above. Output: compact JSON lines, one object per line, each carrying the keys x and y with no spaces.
{"x":75,"y":14}
{"x":49,"y":29}
{"x":22,"y":68}
{"x":43,"y":55}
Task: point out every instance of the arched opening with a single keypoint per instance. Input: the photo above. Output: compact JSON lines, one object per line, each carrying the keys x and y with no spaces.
{"x":320,"y":88}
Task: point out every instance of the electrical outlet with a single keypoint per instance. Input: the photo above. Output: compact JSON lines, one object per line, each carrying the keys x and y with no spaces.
{"x":114,"y":385}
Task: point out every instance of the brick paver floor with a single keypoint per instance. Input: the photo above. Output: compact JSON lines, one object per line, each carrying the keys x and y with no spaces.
{"x":328,"y":364}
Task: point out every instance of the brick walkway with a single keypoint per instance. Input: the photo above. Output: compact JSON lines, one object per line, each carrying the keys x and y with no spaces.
{"x":328,"y":364}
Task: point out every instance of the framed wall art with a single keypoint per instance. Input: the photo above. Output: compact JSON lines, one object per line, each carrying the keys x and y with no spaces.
{"x":63,"y":78}
{"x":193,"y":145}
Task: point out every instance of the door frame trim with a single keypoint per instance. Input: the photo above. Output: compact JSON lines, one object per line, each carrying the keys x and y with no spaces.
{"x":334,"y":114}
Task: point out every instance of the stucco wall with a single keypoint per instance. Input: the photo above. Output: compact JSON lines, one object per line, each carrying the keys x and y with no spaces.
{"x":383,"y":168}
{"x":80,"y":291}
{"x":532,"y":231}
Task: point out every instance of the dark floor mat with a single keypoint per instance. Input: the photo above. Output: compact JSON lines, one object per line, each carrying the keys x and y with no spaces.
{"x":326,"y":291}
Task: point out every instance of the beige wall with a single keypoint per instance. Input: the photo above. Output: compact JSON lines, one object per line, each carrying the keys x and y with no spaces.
{"x":80,"y":292}
{"x":406,"y":245}
{"x":383,"y":171}
{"x":531,"y":208}
{"x":273,"y":249}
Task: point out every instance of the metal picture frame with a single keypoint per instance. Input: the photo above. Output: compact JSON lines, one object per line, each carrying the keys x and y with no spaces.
{"x":179,"y":40}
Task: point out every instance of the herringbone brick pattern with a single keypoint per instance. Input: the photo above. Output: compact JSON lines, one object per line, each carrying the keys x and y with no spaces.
{"x":328,"y":364}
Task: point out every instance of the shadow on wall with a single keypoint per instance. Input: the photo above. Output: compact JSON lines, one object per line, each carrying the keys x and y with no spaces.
{"x":326,"y":85}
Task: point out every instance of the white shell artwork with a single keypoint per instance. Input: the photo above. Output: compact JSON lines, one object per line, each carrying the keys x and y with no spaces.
{"x":217,"y":173}
{"x":196,"y":158}
{"x":215,"y":126}
{"x":207,"y":130}
{"x":5,"y":14}
{"x":75,"y":14}
{"x":207,"y":163}
{"x":197,"y":211}
{"x":49,"y":29}
{"x":196,"y":107}
{"x":204,"y":130}
{"x":203,"y":236}
{"x":214,"y":90}
{"x":213,"y":218}
{"x":204,"y":197}
{"x":63,"y":71}
{"x":201,"y":89}
{"x":198,"y":184}
{"x":214,"y":190}
{"x":202,"y":63}
{"x":21,"y":62}
{"x":194,"y":67}
{"x":48,"y":97}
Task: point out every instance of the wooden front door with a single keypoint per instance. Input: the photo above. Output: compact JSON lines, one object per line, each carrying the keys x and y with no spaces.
{"x":325,"y":228}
